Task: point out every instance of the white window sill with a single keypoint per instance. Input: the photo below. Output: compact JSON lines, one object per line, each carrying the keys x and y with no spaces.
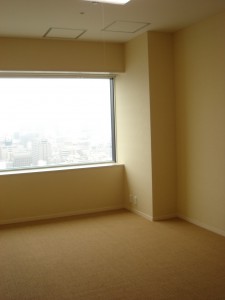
{"x":58,"y":169}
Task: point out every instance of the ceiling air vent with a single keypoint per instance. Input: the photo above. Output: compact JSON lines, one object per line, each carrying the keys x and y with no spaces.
{"x":64,"y":33}
{"x":125,"y":26}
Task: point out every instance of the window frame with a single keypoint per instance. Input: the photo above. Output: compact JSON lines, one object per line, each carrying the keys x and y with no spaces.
{"x":78,"y":75}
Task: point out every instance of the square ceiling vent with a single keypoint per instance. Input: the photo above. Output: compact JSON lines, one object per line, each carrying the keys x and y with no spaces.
{"x":64,"y":33}
{"x":125,"y":26}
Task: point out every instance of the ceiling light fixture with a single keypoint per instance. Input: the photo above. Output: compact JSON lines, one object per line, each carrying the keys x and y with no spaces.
{"x":120,"y":2}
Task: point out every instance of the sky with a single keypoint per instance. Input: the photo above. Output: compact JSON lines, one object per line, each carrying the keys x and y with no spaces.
{"x":66,"y":105}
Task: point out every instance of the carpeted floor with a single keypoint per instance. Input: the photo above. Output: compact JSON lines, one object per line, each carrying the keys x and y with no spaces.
{"x":110,"y":256}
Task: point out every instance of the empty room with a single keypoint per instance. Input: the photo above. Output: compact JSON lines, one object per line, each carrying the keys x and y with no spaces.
{"x":112,"y":142}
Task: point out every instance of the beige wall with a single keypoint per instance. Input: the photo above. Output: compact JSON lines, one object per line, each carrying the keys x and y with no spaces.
{"x":163,"y":141}
{"x":200,"y":96}
{"x":60,"y":55}
{"x":58,"y":193}
{"x":133,"y":125}
{"x":146,"y":143}
{"x":43,"y":194}
{"x":148,"y":67}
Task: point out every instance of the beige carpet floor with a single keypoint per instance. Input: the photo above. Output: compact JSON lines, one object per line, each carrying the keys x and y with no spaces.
{"x":114,"y":255}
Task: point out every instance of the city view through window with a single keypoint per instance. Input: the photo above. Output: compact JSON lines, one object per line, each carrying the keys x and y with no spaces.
{"x":46,"y":122}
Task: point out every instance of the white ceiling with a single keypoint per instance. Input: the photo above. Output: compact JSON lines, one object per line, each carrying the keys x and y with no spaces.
{"x":90,"y":21}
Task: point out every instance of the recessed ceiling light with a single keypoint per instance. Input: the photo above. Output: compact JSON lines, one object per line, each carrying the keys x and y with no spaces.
{"x":120,"y":2}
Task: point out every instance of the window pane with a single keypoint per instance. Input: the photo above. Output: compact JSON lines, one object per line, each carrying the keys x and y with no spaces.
{"x":55,"y":122}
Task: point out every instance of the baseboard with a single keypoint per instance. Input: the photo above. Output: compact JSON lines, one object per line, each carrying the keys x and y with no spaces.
{"x":172,"y":216}
{"x":165,"y":217}
{"x":112,"y":208}
{"x":60,"y":215}
{"x":137,"y":212}
{"x":150,"y":218}
{"x":200,"y":224}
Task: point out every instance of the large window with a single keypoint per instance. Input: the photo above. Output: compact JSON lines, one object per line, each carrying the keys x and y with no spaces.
{"x":55,"y":121}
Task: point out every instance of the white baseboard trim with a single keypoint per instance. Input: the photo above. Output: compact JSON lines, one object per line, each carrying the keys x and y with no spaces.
{"x":203,"y":225}
{"x":60,"y":215}
{"x":137,"y":212}
{"x":165,"y":217}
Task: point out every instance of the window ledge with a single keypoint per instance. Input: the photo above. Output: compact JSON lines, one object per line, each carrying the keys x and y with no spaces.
{"x":58,"y":169}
